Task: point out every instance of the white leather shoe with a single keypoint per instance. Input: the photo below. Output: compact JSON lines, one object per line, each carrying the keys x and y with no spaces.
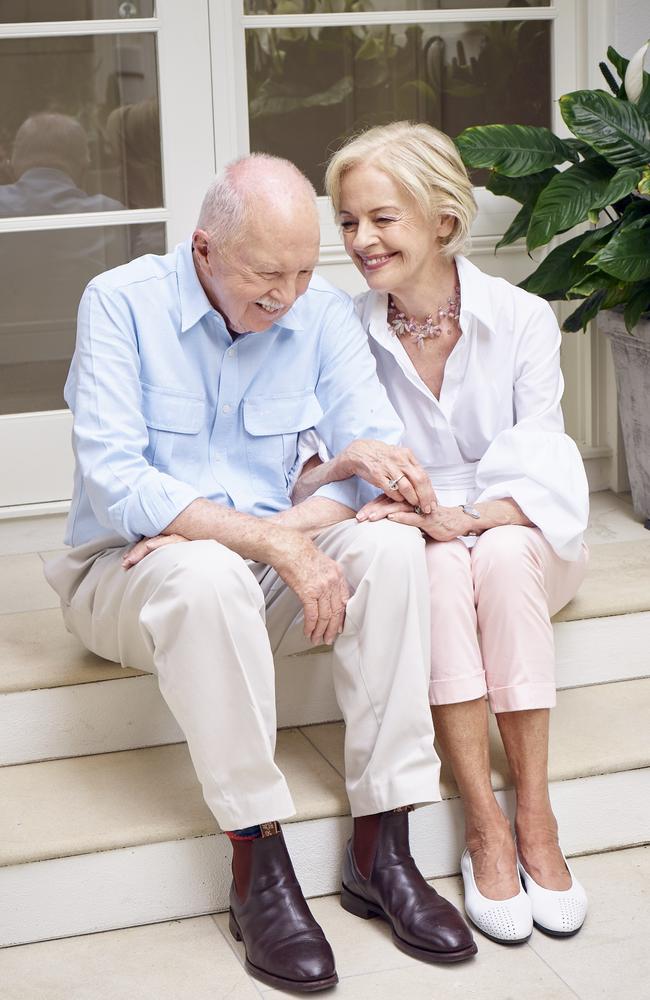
{"x":507,"y":921}
{"x":560,"y":912}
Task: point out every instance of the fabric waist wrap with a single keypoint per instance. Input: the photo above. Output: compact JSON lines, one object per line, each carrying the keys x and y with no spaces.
{"x":454,"y":484}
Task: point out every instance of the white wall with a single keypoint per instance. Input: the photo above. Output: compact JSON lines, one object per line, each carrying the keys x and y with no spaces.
{"x":631,"y":25}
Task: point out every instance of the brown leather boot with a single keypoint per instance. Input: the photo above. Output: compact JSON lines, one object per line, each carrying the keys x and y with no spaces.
{"x":424,"y":924}
{"x":285,"y":947}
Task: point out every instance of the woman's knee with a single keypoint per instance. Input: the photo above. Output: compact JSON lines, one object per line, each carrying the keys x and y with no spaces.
{"x":509,"y":552}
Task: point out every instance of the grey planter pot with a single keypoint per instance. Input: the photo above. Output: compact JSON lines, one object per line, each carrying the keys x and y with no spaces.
{"x":631,"y":356}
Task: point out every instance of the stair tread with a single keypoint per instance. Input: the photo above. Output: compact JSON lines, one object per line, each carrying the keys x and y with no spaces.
{"x":85,"y":804}
{"x":617,"y":582}
{"x":37,"y":652}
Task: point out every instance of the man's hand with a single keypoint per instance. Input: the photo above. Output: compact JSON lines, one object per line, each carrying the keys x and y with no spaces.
{"x":380,"y":464}
{"x":319,"y":583}
{"x":147,"y":545}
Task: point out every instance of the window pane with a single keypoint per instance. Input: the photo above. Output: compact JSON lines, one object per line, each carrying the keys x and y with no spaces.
{"x":79,"y":124}
{"x":30,"y":11}
{"x":366,"y":6}
{"x":42,"y":276}
{"x":310,"y":88}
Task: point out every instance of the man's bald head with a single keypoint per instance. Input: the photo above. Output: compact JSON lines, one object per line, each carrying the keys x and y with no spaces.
{"x":48,"y":139}
{"x":257,"y":191}
{"x":256,"y":243}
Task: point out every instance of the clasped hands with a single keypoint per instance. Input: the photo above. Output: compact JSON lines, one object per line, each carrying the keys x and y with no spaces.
{"x":443,"y":524}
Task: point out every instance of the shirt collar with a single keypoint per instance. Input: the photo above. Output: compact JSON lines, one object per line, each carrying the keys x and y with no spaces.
{"x":194,"y":302}
{"x":475,"y":294}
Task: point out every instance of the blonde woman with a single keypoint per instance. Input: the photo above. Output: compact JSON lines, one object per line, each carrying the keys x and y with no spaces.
{"x":472,"y":366}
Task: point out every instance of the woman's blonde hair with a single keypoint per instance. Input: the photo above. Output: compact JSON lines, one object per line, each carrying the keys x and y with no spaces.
{"x":424,"y":161}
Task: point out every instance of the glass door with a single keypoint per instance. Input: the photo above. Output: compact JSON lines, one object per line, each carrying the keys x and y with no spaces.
{"x":89,"y":100}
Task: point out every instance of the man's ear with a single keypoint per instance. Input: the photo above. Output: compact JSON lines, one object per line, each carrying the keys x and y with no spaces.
{"x":200,"y":244}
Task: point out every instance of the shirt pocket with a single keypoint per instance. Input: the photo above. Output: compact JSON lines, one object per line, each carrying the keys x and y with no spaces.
{"x":272,"y":425}
{"x":171,"y":417}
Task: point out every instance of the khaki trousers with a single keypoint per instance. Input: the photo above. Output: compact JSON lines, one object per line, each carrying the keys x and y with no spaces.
{"x":208,"y":622}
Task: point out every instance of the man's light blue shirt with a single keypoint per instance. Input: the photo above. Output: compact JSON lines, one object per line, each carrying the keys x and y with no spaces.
{"x":168,"y":407}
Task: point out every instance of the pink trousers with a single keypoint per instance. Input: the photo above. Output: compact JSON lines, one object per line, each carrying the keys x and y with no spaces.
{"x":507,"y":587}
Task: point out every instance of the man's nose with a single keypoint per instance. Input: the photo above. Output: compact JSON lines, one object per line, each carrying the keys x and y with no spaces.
{"x":286,"y":289}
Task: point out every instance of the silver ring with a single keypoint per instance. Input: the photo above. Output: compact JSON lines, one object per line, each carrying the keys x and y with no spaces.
{"x":417,"y":510}
{"x":392,"y":483}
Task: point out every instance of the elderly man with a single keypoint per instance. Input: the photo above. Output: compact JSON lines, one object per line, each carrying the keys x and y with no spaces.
{"x":193,"y":375}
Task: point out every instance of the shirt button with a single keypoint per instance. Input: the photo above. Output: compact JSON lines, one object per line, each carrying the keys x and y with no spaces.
{"x":231,"y":352}
{"x":226,"y":408}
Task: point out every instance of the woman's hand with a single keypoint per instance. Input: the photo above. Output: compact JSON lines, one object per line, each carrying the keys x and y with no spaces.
{"x":382,"y":464}
{"x":442,"y":525}
{"x":381,"y":507}
{"x":147,"y":545}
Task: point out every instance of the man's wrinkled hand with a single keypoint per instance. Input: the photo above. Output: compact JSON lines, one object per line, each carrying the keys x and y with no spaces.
{"x":147,"y":545}
{"x":319,"y":583}
{"x":382,"y":464}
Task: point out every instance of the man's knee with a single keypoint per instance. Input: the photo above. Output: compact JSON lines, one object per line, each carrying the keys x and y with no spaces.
{"x":204,"y":569}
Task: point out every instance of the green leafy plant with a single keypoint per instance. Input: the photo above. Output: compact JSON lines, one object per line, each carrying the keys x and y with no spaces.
{"x":605,"y":182}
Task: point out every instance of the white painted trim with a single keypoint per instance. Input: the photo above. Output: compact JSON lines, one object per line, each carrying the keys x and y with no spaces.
{"x":186,"y":120}
{"x":83,"y":220}
{"x":35,"y":509}
{"x":150,"y":883}
{"x":370,"y":18}
{"x":35,"y":447}
{"x":53,"y":29}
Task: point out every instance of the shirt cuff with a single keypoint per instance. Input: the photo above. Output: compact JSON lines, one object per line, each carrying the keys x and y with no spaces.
{"x":352,"y":492}
{"x":148,"y":511}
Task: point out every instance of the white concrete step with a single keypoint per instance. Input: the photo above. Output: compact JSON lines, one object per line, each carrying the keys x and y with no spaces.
{"x":57,"y":700}
{"x":112,"y":840}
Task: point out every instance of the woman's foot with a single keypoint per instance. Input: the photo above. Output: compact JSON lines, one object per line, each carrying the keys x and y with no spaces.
{"x":494,"y":857}
{"x":539,"y":849}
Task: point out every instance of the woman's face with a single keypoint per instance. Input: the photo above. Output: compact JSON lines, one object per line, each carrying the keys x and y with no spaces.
{"x":385,"y":232}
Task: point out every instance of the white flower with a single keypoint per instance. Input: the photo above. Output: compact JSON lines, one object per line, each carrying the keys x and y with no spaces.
{"x":634,"y":75}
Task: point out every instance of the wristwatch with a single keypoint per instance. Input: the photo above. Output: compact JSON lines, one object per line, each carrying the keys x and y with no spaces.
{"x":471,"y":511}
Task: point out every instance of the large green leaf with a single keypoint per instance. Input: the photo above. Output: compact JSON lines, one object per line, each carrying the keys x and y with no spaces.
{"x":614,"y":128}
{"x":567,"y":199}
{"x":594,"y":281}
{"x":514,"y":150}
{"x":585,"y":312}
{"x":624,"y":181}
{"x":517,"y":228}
{"x":522,"y":189}
{"x":638,"y":303}
{"x":559,"y":271}
{"x":627,"y":255}
{"x":596,"y":238}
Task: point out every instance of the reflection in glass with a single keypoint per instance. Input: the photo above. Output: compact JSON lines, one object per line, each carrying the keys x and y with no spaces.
{"x":311,"y":88}
{"x":79,"y":124}
{"x":31,"y":11}
{"x":42,"y":277}
{"x":377,"y":6}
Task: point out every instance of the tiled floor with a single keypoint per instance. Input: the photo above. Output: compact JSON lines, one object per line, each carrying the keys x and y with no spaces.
{"x":198,"y":960}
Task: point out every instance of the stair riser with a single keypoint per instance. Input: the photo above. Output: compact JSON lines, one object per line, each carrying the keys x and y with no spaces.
{"x":156,"y":882}
{"x":129,"y":712}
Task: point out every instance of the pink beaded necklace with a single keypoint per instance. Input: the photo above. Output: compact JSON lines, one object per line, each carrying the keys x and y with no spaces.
{"x":407,"y":326}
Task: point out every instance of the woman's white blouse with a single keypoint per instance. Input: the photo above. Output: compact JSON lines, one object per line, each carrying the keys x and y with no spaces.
{"x":497,"y":430}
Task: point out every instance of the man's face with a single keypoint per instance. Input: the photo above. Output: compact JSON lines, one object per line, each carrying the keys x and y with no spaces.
{"x":254,"y":284}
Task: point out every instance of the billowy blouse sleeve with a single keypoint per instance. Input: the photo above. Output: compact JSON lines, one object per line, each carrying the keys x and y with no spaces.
{"x":535,"y":462}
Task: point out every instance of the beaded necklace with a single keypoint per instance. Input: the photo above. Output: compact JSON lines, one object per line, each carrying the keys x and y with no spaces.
{"x":407,"y":326}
